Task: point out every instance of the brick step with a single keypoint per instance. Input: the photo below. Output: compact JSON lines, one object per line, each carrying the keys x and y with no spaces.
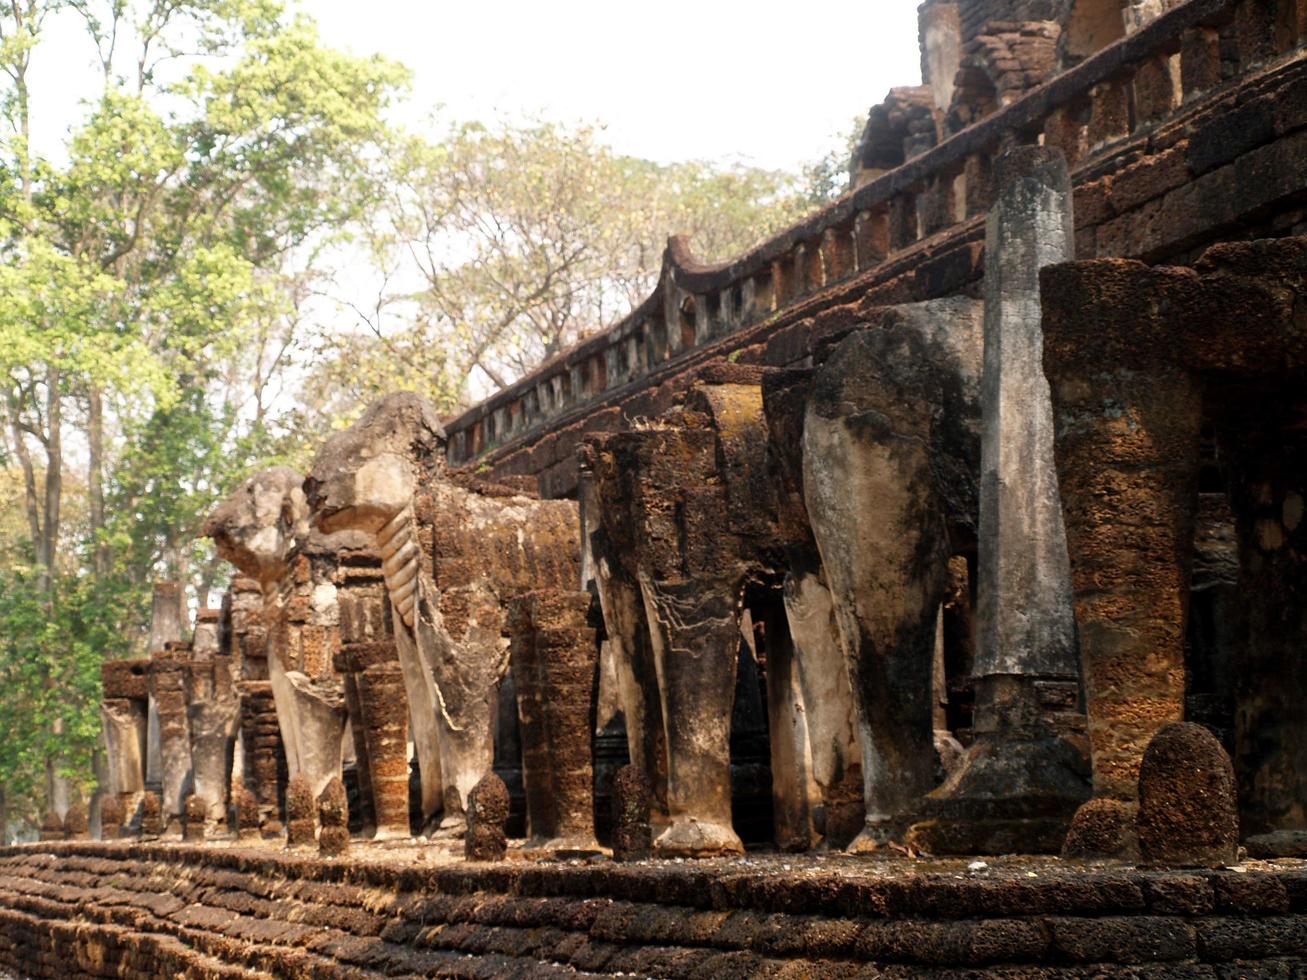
{"x":83,"y":909}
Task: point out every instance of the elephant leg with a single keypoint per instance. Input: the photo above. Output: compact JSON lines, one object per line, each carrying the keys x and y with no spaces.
{"x":828,"y":704}
{"x":424,"y":718}
{"x":637,"y":683}
{"x":795,"y":794}
{"x":694,"y":630}
{"x":320,"y":712}
{"x":883,"y":544}
{"x":466,"y":672}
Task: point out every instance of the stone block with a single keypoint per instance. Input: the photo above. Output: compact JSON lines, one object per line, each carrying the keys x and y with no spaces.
{"x":1188,"y":815}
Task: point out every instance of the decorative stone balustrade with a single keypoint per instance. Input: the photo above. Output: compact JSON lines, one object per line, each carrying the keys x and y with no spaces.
{"x":1136,"y":88}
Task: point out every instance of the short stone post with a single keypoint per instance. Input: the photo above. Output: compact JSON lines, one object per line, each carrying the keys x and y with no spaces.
{"x":487,"y":813}
{"x":247,"y":814}
{"x":299,"y":812}
{"x":1188,"y":811}
{"x":195,"y":813}
{"x":333,"y":814}
{"x":77,"y":823}
{"x":52,"y":828}
{"x":111,"y":817}
{"x":1103,"y":828}
{"x":151,"y":815}
{"x":632,"y":803}
{"x":1020,"y":782}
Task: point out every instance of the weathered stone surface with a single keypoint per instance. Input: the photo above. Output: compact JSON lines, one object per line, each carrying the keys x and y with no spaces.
{"x":1020,"y":768}
{"x":1132,"y":403}
{"x":629,"y":646}
{"x":151,"y":815}
{"x":76,"y":824}
{"x":333,"y":816}
{"x":1188,"y":814}
{"x":1278,"y":844}
{"x":263,"y":530}
{"x":86,"y":909}
{"x":374,"y":691}
{"x":890,"y":455}
{"x":213,"y":713}
{"x":1103,"y":828}
{"x":385,"y":476}
{"x":248,"y":818}
{"x":300,"y":811}
{"x":52,"y":828}
{"x":194,"y":818}
{"x":487,"y":812}
{"x":168,"y":693}
{"x":632,"y":802}
{"x":680,"y":535}
{"x":111,"y":817}
{"x":810,"y":697}
{"x":554,"y":657}
{"x":165,"y":628}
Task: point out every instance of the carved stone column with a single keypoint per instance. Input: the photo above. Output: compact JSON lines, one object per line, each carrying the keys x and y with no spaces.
{"x":629,"y":647}
{"x":264,"y":764}
{"x":1128,"y":424}
{"x":664,"y":514}
{"x":375,"y":688}
{"x":1020,"y":783}
{"x":817,"y":771}
{"x":168,"y":688}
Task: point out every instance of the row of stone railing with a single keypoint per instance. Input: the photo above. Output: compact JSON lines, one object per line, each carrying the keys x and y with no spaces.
{"x":1133,"y":86}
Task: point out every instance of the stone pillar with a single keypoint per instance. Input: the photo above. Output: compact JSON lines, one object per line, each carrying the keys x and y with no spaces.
{"x":263,"y":766}
{"x":213,"y":711}
{"x":890,"y":453}
{"x":379,"y":706}
{"x":554,"y":657}
{"x":168,"y":688}
{"x":941,"y":49}
{"x":1128,"y":463}
{"x":794,"y":791}
{"x":818,"y":703}
{"x":825,"y":706}
{"x":1128,"y":426}
{"x":301,"y":666}
{"x":265,"y":763}
{"x":1019,"y":784}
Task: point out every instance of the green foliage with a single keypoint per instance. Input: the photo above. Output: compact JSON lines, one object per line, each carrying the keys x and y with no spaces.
{"x":499,"y":246}
{"x":152,"y":281}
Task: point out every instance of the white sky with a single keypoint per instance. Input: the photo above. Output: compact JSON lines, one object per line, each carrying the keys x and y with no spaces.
{"x":769,"y":83}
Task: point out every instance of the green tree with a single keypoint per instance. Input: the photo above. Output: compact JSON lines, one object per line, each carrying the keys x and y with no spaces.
{"x":499,"y":246}
{"x":150,"y":280}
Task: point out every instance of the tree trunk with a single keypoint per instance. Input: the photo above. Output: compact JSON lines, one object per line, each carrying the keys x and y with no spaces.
{"x":95,"y":478}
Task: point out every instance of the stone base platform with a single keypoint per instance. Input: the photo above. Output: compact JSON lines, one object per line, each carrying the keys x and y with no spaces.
{"x":214,"y":911}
